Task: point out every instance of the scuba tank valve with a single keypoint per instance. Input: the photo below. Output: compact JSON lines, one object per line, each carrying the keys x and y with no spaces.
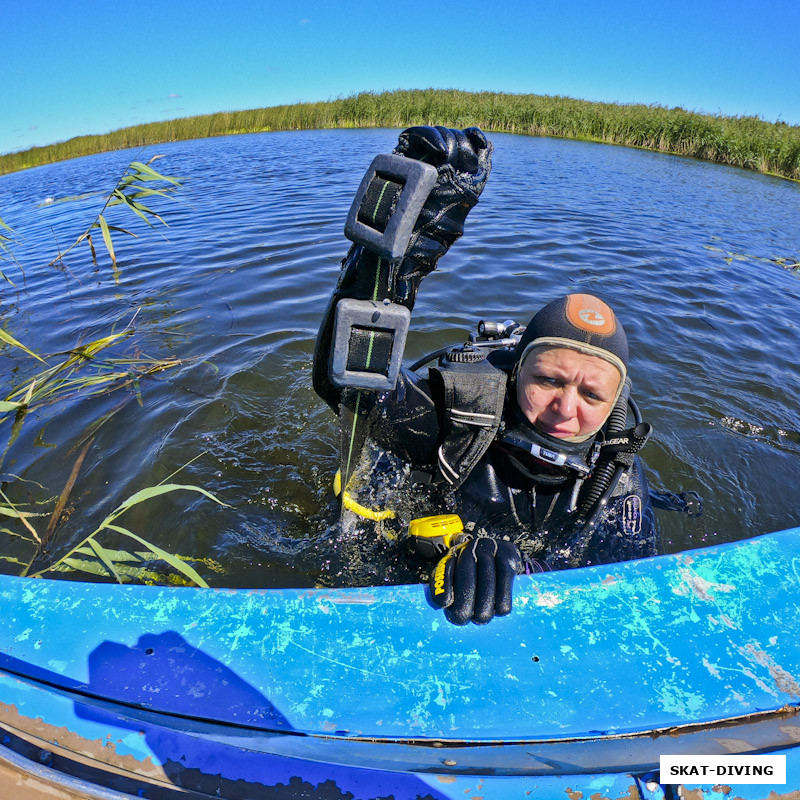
{"x":496,"y":330}
{"x":489,"y":336}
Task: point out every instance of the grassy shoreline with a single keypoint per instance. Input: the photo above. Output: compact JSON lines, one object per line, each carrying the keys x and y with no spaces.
{"x":746,"y":142}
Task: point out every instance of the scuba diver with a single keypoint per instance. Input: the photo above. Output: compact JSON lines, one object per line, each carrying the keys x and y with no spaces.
{"x":513,"y":454}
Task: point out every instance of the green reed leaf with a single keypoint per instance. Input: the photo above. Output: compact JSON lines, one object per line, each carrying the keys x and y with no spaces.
{"x":90,"y":349}
{"x":170,"y":559}
{"x":107,"y":238}
{"x":16,"y":535}
{"x":82,"y":565}
{"x":8,"y":511}
{"x":9,"y":339}
{"x":144,"y":192}
{"x":117,"y":556}
{"x":101,"y":553}
{"x":151,"y":174}
{"x":123,"y":230}
{"x":155,"y":491}
{"x":140,"y":207}
{"x":136,"y":210}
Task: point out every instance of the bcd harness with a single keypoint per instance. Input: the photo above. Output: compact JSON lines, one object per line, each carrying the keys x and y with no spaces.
{"x":474,"y":395}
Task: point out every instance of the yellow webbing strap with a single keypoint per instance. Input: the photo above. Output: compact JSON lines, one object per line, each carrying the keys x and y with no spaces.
{"x":357,"y":508}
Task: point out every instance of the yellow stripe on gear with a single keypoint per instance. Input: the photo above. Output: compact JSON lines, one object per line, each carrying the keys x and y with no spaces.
{"x":439,"y":572}
{"x":357,"y":508}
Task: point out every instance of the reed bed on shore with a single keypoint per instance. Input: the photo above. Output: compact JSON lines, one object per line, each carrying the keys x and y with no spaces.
{"x":747,"y":142}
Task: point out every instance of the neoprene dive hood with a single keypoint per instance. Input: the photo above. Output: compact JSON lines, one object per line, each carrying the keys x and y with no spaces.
{"x":580,"y":322}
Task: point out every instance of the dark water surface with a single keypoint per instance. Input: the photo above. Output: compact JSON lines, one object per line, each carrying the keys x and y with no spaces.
{"x":684,"y":251}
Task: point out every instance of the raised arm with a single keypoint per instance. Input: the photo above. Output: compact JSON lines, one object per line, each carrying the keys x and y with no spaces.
{"x":462,"y":160}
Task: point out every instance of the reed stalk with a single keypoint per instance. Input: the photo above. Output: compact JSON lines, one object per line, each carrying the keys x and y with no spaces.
{"x":134,"y":185}
{"x":7,"y":243}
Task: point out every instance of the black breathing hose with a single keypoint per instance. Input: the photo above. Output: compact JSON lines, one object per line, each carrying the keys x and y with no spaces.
{"x":604,"y":470}
{"x":430,"y":357}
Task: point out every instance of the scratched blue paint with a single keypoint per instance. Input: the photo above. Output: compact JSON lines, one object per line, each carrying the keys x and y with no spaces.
{"x":651,"y":643}
{"x":156,"y":746}
{"x":586,"y":654}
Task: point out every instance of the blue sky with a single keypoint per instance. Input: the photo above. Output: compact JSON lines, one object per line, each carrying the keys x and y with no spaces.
{"x":73,"y":67}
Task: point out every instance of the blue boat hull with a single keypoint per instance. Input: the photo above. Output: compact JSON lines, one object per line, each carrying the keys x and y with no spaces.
{"x":155,"y":692}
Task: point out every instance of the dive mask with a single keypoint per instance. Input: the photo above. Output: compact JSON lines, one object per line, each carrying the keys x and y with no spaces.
{"x":542,"y":457}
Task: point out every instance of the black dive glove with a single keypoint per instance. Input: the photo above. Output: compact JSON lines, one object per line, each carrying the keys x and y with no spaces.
{"x":474,"y":580}
{"x":463,"y":160}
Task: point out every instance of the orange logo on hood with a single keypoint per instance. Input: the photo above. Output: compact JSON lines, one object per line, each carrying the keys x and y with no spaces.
{"x":590,"y":314}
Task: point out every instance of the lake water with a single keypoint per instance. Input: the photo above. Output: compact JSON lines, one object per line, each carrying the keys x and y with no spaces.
{"x":686,"y":252}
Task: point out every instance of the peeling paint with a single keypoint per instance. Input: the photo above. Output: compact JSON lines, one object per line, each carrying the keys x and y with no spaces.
{"x":62,"y":739}
{"x":699,"y":794}
{"x":633,"y":794}
{"x":712,"y":669}
{"x":678,"y":700}
{"x":700,"y":587}
{"x":548,"y":600}
{"x":783,"y":680}
{"x":355,"y":599}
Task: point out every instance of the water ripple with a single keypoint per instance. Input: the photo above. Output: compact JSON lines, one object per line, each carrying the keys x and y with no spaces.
{"x":699,"y":260}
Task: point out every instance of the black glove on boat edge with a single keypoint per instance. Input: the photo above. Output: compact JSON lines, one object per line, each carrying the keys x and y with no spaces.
{"x":474,"y":580}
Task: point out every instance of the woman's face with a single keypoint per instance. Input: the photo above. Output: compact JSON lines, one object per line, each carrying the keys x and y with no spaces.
{"x":565,"y":393}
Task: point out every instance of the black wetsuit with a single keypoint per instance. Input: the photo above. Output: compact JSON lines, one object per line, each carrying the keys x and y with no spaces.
{"x":411,"y":422}
{"x":496,"y":497}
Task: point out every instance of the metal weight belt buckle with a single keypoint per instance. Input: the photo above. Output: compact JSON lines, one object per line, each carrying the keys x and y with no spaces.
{"x":387,"y":204}
{"x":368,"y":343}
